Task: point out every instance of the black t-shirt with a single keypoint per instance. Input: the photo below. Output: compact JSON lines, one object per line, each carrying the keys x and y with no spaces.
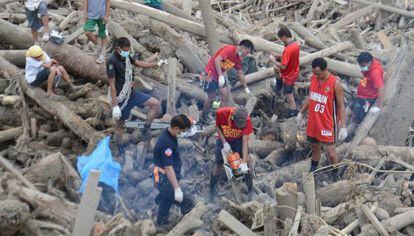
{"x":115,"y":68}
{"x":166,"y":152}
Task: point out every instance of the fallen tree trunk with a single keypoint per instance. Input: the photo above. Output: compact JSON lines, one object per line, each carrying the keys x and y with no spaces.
{"x":348,"y":19}
{"x":385,"y":7}
{"x":337,"y":193}
{"x":263,"y":148}
{"x":210,"y":25}
{"x":16,"y":57}
{"x":399,"y":221}
{"x":14,"y":35}
{"x":10,"y":134}
{"x":326,"y":52}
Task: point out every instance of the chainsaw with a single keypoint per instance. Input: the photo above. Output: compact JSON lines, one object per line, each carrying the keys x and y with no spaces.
{"x":157,"y":125}
{"x":234,"y":166}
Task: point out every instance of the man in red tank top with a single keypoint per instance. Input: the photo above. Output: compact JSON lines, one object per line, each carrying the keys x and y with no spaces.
{"x":326,"y":109}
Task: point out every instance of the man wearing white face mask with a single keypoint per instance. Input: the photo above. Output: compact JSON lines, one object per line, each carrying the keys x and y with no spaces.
{"x":370,"y":92}
{"x":226,"y":58}
{"x":123,"y":96}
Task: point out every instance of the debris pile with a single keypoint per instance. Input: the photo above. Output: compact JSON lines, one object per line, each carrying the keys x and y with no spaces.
{"x":40,"y":139}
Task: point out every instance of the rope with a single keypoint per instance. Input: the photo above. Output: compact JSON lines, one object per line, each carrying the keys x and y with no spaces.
{"x":125,"y":93}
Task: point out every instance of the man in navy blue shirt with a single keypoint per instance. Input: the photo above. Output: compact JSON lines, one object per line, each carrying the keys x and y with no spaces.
{"x":167,"y":170}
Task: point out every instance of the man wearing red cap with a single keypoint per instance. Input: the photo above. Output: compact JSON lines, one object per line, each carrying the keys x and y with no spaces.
{"x":234,"y":127}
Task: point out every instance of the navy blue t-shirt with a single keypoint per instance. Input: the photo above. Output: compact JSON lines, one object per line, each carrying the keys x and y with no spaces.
{"x":166,"y":152}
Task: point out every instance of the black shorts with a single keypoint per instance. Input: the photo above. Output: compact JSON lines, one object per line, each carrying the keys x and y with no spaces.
{"x":358,"y":110}
{"x":315,"y":140}
{"x":212,"y":86}
{"x":136,"y":99}
{"x":287,"y":89}
{"x":41,"y":77}
{"x":236,"y":146}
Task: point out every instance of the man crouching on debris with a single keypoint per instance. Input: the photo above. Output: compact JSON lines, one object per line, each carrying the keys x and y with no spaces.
{"x":224,"y":59}
{"x":40,"y":68}
{"x":326,"y":97}
{"x":234,"y":127}
{"x":167,"y":170}
{"x":370,"y":92}
{"x":122,"y":95}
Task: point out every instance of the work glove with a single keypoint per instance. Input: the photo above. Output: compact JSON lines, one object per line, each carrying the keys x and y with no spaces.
{"x":299,"y":119}
{"x":374,"y":109}
{"x":342,"y":134}
{"x":116,"y":112}
{"x":227,"y":148}
{"x":247,"y":90}
{"x":162,"y":62}
{"x":178,"y":195}
{"x":221,"y":81}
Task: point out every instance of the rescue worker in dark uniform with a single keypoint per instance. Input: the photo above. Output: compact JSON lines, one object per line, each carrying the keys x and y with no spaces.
{"x":167,"y":170}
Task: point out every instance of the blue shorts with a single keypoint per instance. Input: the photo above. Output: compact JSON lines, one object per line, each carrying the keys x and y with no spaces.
{"x":236,"y":146}
{"x":358,"y":110}
{"x":33,"y":16}
{"x":41,"y":77}
{"x":212,"y":86}
{"x":137,"y":99}
{"x":287,"y":89}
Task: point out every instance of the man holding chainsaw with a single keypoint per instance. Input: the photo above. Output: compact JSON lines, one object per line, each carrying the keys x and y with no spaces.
{"x":234,"y":127}
{"x":226,"y":58}
{"x":167,"y":170}
{"x":122,"y":94}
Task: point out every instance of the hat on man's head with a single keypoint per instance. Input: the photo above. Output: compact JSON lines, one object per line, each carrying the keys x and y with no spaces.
{"x":34,"y":51}
{"x":240,"y":116}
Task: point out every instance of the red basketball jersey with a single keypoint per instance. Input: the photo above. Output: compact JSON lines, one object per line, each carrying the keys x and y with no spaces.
{"x":322,"y":111}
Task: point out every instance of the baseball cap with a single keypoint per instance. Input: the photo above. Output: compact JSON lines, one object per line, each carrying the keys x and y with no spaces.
{"x":240,"y":117}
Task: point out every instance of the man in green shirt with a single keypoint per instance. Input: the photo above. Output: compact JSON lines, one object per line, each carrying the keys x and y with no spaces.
{"x":154,"y":4}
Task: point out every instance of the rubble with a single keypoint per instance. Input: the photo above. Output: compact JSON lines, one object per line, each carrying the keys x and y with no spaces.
{"x":40,"y":139}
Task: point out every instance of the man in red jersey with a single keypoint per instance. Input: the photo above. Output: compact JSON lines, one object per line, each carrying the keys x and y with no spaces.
{"x":224,"y":59}
{"x":234,"y":127}
{"x":370,"y":92}
{"x":324,"y":103}
{"x":288,"y":68}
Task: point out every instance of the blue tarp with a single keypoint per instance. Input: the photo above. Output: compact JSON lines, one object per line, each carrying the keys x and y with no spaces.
{"x":100,"y":159}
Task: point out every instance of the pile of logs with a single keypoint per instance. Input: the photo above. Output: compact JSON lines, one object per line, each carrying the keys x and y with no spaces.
{"x":40,"y":139}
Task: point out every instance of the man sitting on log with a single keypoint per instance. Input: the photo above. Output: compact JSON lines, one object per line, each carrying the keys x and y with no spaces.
{"x":40,"y":68}
{"x":123,"y":96}
{"x":167,"y":170}
{"x":224,"y":59}
{"x":234,"y":127}
{"x":326,"y":97}
{"x":96,"y":12}
{"x":287,"y":66}
{"x":370,"y":92}
{"x":34,"y":9}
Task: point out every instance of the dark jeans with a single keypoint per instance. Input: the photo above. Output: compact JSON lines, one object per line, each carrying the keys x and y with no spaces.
{"x":287,"y":89}
{"x":165,"y":200}
{"x":358,"y":109}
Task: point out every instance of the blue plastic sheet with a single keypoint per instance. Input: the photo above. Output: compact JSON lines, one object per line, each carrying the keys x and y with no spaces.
{"x":100,"y":159}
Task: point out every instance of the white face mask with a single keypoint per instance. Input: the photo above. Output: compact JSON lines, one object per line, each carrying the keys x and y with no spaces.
{"x":240,"y":53}
{"x":364,"y":68}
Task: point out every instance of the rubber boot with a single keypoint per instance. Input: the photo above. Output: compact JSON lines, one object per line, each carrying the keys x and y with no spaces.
{"x":292,"y":113}
{"x":248,"y":178}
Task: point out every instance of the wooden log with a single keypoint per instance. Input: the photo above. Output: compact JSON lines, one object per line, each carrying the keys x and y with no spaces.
{"x":70,"y":56}
{"x":270,"y":215}
{"x":232,"y":223}
{"x":385,"y":41}
{"x":172,"y":84}
{"x":337,"y":193}
{"x":73,"y":36}
{"x":309,"y":190}
{"x":14,"y":35}
{"x":263,"y":148}
{"x":190,"y":221}
{"x":399,"y":221}
{"x":65,"y":23}
{"x":9,"y":100}
{"x":357,"y":39}
{"x":333,"y":65}
{"x":287,"y":196}
{"x":13,"y":17}
{"x":312,"y":9}
{"x":178,"y":22}
{"x":10,"y":134}
{"x":33,"y":128}
{"x":210,"y":25}
{"x":385,"y":7}
{"x":256,"y":77}
{"x":374,"y":220}
{"x":326,"y":52}
{"x":304,"y":33}
{"x":348,"y":19}
{"x":16,"y":57}
{"x":187,"y":7}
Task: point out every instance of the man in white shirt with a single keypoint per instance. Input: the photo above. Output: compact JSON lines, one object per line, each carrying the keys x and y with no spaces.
{"x":40,"y":68}
{"x":36,"y":13}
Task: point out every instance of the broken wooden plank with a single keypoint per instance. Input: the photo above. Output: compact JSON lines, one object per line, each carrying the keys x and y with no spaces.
{"x":232,"y":223}
{"x":10,"y":134}
{"x":172,"y":84}
{"x":399,"y":221}
{"x":73,"y":36}
{"x":4,"y":163}
{"x":89,"y":203}
{"x":310,"y":196}
{"x":190,"y":221}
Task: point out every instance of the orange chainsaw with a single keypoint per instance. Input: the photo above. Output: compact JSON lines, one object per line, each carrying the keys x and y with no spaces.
{"x":234,"y":166}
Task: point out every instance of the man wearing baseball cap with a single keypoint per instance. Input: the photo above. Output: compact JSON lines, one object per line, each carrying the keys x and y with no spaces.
{"x":234,"y":127}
